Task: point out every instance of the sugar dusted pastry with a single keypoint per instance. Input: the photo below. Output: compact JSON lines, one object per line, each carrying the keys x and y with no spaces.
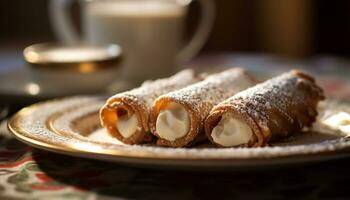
{"x":274,"y":109}
{"x":177,"y":117}
{"x":126,"y":115}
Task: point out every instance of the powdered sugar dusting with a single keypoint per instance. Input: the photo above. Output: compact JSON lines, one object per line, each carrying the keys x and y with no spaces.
{"x":203,"y":95}
{"x":280,"y":93}
{"x":150,"y":90}
{"x":36,"y":121}
{"x":65,"y":120}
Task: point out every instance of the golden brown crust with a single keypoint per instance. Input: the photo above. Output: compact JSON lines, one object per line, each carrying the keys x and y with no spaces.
{"x":195,"y":122}
{"x":198,"y":100}
{"x":274,"y":109}
{"x":215,"y":116}
{"x":139,"y":102}
{"x":125,"y":106}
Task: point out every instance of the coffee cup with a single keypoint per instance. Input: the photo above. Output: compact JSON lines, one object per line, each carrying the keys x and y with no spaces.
{"x":150,"y":32}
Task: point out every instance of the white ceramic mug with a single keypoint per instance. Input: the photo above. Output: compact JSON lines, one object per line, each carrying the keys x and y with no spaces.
{"x":148,"y":31}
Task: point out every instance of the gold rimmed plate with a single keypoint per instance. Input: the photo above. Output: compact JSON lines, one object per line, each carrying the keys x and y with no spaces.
{"x":71,"y":126}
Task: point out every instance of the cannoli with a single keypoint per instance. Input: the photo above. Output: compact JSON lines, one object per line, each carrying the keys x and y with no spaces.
{"x":126,"y":115}
{"x":177,"y":117}
{"x":273,"y":109}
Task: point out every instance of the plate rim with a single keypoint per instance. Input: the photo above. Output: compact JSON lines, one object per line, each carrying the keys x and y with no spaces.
{"x":20,"y":133}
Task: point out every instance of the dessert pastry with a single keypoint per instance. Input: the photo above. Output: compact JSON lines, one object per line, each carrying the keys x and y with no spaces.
{"x":177,"y":117}
{"x":125,"y":115}
{"x":274,"y":109}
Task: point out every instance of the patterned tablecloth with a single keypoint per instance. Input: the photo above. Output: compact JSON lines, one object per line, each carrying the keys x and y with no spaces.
{"x":28,"y":173}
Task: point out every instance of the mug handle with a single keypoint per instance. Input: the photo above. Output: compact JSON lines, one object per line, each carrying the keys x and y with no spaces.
{"x":202,"y":33}
{"x":60,"y":20}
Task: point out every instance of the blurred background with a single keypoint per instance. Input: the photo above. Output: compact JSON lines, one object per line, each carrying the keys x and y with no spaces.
{"x":293,"y":28}
{"x":266,"y":37}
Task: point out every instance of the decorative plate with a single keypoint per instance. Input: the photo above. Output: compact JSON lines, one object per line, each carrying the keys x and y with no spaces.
{"x":71,"y":126}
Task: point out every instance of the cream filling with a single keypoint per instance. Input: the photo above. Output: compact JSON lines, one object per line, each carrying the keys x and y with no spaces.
{"x":231,"y":132}
{"x":339,"y":121}
{"x":173,"y":122}
{"x":127,"y":125}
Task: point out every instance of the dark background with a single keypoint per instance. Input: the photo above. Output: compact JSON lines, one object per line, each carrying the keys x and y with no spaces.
{"x":296,"y":28}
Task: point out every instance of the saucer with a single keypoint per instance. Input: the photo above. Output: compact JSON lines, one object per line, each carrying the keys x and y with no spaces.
{"x":17,"y":88}
{"x":71,"y":126}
